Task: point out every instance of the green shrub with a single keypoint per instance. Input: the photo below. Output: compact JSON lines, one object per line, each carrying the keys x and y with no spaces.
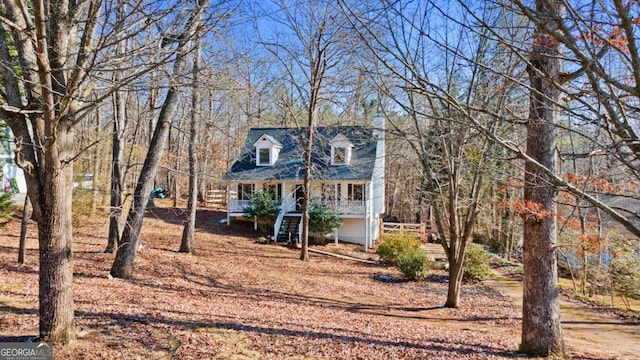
{"x":476,"y":264}
{"x":322,"y":219}
{"x":625,"y":272}
{"x":265,"y":208}
{"x":14,"y":185}
{"x":413,"y":263}
{"x":392,"y":245}
{"x":6,"y":205}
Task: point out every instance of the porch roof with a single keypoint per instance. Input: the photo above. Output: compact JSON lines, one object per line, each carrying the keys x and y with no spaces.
{"x":290,"y":162}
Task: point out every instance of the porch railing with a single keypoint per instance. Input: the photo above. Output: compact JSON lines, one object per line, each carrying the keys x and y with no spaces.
{"x":237,"y":206}
{"x":347,"y":207}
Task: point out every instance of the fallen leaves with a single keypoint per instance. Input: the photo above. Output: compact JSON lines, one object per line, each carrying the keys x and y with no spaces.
{"x":237,"y":299}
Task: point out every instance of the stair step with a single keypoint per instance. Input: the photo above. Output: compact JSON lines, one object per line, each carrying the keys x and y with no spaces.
{"x":289,"y":225}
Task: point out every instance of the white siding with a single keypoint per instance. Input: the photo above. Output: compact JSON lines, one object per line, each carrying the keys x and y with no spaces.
{"x":378,"y":168}
{"x":352,"y":230}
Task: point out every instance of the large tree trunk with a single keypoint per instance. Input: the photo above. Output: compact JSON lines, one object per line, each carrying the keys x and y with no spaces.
{"x":189,"y":227}
{"x":541,"y":329}
{"x":123,"y":263}
{"x":57,"y":322}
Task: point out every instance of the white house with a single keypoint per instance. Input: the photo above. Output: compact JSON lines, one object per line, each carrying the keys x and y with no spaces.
{"x":348,"y":174}
{"x":9,"y":170}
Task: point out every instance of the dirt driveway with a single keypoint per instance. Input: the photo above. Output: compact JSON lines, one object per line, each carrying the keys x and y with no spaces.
{"x":584,"y":326}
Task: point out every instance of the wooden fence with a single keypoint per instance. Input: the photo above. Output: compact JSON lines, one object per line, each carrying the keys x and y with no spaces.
{"x":217,"y":198}
{"x":421,"y":230}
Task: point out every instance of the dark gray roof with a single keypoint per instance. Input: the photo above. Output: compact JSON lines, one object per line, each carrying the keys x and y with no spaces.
{"x":290,"y":162}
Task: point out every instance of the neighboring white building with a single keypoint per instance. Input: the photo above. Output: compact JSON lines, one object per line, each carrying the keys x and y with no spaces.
{"x":9,"y":170}
{"x":348,"y":174}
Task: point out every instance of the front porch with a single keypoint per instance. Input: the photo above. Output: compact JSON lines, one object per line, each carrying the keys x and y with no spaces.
{"x":350,"y":201}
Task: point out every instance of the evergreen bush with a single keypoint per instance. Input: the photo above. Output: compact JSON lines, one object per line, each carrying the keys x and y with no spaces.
{"x":394,"y":244}
{"x":413,"y":263}
{"x":265,"y":208}
{"x":322,"y":220}
{"x":476,"y":264}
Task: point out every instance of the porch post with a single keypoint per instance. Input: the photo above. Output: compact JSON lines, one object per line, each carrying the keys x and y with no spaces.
{"x":228,"y":204}
{"x":254,"y":188}
{"x":284,"y":198}
{"x":367,"y":220}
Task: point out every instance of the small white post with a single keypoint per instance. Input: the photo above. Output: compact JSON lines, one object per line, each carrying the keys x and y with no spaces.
{"x":228,"y":204}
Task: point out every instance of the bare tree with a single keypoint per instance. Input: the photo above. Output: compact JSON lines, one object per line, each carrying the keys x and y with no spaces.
{"x":55,"y":48}
{"x":310,"y":58}
{"x":444,"y":83}
{"x":123,"y":263}
{"x":189,"y":227}
{"x":63,"y":51}
{"x":541,"y":328}
{"x":576,"y":65}
{"x":117,"y":147}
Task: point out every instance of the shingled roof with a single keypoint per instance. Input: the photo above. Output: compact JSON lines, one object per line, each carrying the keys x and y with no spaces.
{"x":290,"y":162}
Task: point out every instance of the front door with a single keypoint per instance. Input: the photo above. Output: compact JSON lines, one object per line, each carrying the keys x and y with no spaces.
{"x":299,"y":194}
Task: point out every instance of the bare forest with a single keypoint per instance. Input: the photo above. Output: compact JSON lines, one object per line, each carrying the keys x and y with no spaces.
{"x":510,"y":126}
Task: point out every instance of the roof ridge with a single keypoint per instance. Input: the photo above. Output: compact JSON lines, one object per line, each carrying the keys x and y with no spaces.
{"x":305,"y":127}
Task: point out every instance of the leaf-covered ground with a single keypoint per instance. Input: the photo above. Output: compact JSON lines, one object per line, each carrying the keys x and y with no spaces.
{"x":236,"y":299}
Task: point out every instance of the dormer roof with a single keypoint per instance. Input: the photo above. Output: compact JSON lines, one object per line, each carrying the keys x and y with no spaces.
{"x":266,"y":139}
{"x":341,"y":140}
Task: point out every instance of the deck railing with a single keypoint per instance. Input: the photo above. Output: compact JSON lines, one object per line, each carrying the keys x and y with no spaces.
{"x":345,"y":207}
{"x":237,"y":206}
{"x":348,"y":206}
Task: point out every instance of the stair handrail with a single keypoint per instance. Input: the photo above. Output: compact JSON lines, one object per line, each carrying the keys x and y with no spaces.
{"x":276,"y":226}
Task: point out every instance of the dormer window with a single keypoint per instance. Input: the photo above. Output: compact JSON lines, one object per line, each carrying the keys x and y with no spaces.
{"x":339,"y":156}
{"x":340,"y":150}
{"x":267,"y":150}
{"x":264,"y":156}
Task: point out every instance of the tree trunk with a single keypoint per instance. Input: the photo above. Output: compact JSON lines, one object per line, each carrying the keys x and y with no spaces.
{"x":541,"y":330}
{"x":117,"y":173}
{"x":57,"y":322}
{"x":304,"y":253}
{"x":456,"y":270}
{"x":23,"y":230}
{"x":117,"y":152}
{"x":455,"y":266}
{"x":123,"y":263}
{"x":189,"y":227}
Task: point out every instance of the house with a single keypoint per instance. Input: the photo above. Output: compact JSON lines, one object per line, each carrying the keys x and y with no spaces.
{"x":347,"y":174}
{"x":9,"y":169}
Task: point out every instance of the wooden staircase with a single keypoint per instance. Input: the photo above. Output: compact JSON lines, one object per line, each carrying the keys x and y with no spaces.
{"x":289,"y":226}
